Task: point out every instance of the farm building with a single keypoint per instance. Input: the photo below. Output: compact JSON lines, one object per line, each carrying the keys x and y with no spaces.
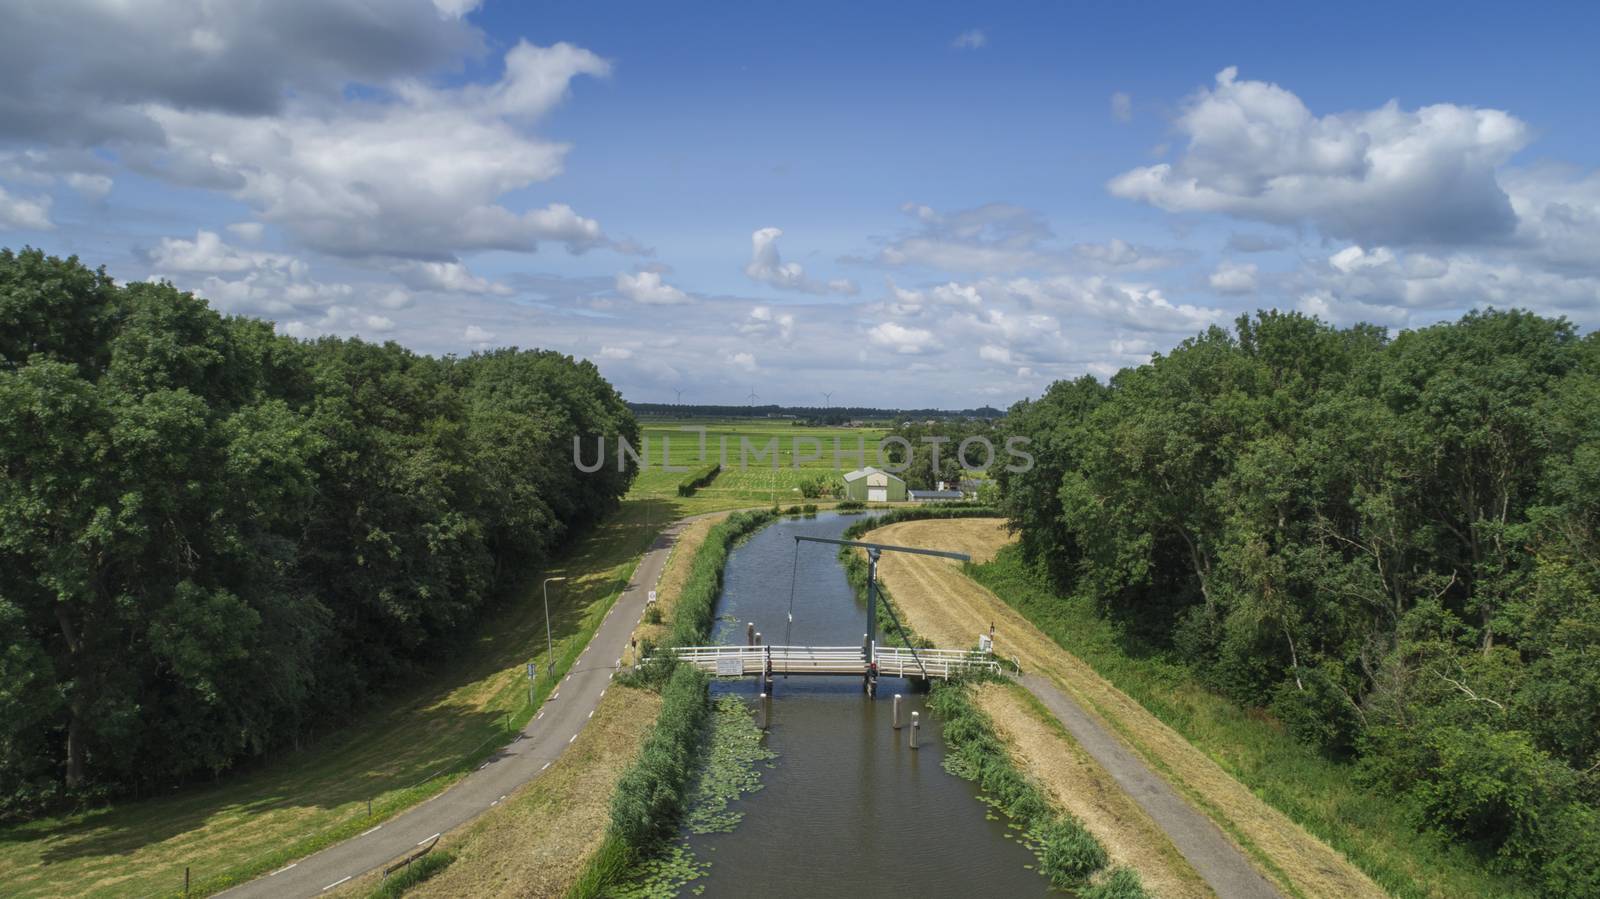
{"x":874,"y":485}
{"x":929,"y":496}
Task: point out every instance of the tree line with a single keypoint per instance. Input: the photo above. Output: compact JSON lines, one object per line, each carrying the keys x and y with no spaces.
{"x":215,"y":539}
{"x":1388,"y":541}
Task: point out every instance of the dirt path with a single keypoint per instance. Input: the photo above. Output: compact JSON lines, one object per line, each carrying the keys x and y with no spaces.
{"x":1128,"y":741}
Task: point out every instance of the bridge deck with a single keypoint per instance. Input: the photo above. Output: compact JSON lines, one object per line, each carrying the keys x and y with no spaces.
{"x":734,"y":661}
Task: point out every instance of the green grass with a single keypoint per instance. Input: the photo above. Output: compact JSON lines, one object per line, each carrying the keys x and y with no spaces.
{"x":756,"y":483}
{"x":1322,"y":795}
{"x":432,"y":731}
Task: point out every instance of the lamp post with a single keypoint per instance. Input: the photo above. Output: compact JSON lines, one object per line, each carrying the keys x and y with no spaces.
{"x":550,"y":646}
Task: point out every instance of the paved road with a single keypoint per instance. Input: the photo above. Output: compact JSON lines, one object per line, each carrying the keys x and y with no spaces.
{"x":1196,"y":836}
{"x":566,"y":712}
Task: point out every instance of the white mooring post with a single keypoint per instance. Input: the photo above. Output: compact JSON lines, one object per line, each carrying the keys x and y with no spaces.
{"x":758,"y":638}
{"x":764,"y":711}
{"x":897,"y":711}
{"x":916,"y":725}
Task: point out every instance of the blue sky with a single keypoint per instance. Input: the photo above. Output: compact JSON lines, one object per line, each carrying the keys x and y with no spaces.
{"x":907,"y":204}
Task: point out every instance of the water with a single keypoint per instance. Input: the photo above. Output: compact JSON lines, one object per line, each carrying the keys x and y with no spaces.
{"x":849,"y":808}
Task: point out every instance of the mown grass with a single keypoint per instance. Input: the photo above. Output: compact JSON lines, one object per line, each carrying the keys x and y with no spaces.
{"x":1322,"y":795}
{"x":434,"y":729}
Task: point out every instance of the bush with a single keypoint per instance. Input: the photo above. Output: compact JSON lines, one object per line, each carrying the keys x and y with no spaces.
{"x":850,"y":505}
{"x":699,"y":479}
{"x":1068,"y":854}
{"x":423,"y":868}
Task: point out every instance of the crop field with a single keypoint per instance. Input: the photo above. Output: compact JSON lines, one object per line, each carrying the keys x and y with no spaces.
{"x":759,"y":461}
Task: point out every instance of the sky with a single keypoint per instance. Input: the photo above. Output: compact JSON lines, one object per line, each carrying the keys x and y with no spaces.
{"x":898,"y":204}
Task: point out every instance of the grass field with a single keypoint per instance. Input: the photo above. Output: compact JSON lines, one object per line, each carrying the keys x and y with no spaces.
{"x":762,"y":479}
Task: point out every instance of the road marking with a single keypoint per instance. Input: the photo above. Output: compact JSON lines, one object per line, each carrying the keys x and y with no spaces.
{"x":591,"y":713}
{"x":419,"y":843}
{"x":283,"y":869}
{"x":494,"y":803}
{"x":603,"y":693}
{"x":546,"y":765}
{"x":483,"y":766}
{"x":570,"y":739}
{"x":337,"y":882}
{"x":540,"y":715}
{"x":569,"y":677}
{"x":373,"y":830}
{"x":556,"y":695}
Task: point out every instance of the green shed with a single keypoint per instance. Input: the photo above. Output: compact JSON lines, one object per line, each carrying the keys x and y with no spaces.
{"x":874,"y":485}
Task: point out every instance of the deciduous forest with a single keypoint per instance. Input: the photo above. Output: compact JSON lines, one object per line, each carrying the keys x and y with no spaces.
{"x":215,"y":540}
{"x":1388,"y":543}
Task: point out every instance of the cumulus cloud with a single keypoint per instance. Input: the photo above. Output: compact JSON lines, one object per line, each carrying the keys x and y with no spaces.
{"x":24,"y":212}
{"x":647,"y":287}
{"x":767,"y":267}
{"x":1234,"y":278}
{"x":447,"y":277}
{"x":763,"y":322}
{"x":1383,"y":176}
{"x":901,"y":339}
{"x":477,"y":335}
{"x":973,"y":39}
{"x":615,"y":352}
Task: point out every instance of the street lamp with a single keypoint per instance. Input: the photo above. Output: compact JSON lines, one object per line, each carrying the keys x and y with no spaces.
{"x":550,"y":646}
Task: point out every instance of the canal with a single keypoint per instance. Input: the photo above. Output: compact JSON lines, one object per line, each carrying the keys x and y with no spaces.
{"x":847,"y":808}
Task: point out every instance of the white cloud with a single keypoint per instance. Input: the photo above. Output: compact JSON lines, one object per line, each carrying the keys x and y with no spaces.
{"x":741,"y":361}
{"x":417,"y":173}
{"x":447,"y":277}
{"x":764,"y":322}
{"x":615,"y":352}
{"x":992,"y":353}
{"x":973,"y":39}
{"x":647,"y":287}
{"x":1387,"y":176}
{"x":769,"y":268}
{"x":477,"y":335}
{"x":23,"y":212}
{"x":92,"y":186}
{"x":379,"y":323}
{"x":209,"y":253}
{"x":1234,"y":278}
{"x":994,"y":238}
{"x":901,"y":339}
{"x":1121,"y":107}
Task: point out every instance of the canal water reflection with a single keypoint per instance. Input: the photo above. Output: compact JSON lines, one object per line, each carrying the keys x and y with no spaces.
{"x":849,"y":808}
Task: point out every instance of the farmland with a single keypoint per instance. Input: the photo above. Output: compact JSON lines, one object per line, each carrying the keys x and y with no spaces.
{"x":763,"y":478}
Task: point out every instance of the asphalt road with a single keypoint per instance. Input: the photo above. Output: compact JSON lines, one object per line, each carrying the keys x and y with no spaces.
{"x":556,"y":726}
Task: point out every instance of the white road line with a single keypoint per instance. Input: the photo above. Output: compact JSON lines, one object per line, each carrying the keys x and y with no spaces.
{"x":571,"y":738}
{"x":373,"y":830}
{"x":283,"y":869}
{"x":419,"y":843}
{"x":556,"y":695}
{"x":591,"y":713}
{"x":494,"y":803}
{"x":483,"y":766}
{"x":337,"y":882}
{"x":603,"y":693}
{"x":546,"y":765}
{"x":569,"y":677}
{"x":540,"y":715}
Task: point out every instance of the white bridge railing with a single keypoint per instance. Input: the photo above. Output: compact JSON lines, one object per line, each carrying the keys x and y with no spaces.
{"x":736,"y":661}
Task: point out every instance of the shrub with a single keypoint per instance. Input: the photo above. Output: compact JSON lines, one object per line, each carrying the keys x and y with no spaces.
{"x":850,"y":505}
{"x":1068,"y":854}
{"x":423,"y":868}
{"x":699,"y":479}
